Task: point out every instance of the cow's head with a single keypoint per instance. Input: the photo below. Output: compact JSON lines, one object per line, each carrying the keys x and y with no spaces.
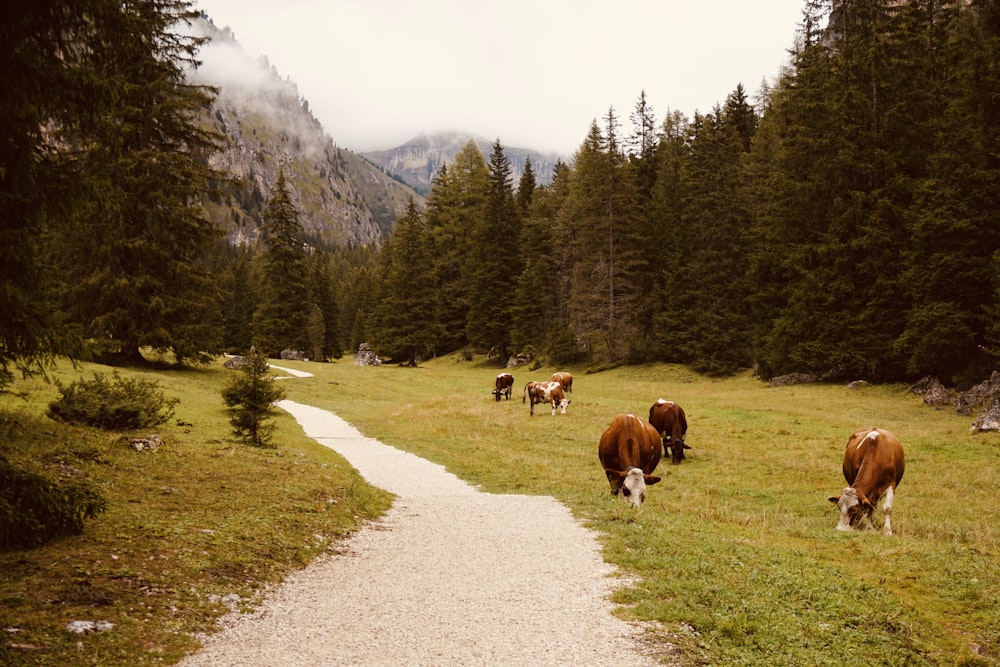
{"x":853,"y":505}
{"x":631,"y":484}
{"x":676,"y":448}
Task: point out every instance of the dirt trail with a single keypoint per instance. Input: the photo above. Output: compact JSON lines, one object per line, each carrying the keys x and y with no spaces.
{"x":449,"y":576}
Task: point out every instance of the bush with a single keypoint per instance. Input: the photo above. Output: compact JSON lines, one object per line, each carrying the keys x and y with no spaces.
{"x":118,"y":404}
{"x":35,"y":510}
{"x":250,"y":395}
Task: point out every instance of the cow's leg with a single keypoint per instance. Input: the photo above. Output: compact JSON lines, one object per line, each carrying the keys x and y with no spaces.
{"x":887,"y":511}
{"x":532,"y":413}
{"x":555,"y":405}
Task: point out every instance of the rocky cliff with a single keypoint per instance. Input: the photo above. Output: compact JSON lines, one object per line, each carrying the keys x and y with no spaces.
{"x":342,"y":199}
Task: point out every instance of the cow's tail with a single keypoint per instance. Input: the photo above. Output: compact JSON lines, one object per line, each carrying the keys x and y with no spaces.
{"x":524,"y":396}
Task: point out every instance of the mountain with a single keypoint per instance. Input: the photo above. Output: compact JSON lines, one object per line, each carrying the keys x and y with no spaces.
{"x":419,"y":159}
{"x":342,"y":198}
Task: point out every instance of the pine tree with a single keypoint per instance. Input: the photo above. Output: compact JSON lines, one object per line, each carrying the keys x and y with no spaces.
{"x":455,"y":205}
{"x":250,"y":395}
{"x":324,"y":315}
{"x":404,"y":322}
{"x":953,"y":233}
{"x":602,"y":216}
{"x":238,"y":287}
{"x":526,"y":188}
{"x":132,"y":261}
{"x":536,"y":311}
{"x":282,"y":317}
{"x":841,"y":220}
{"x":494,"y":261}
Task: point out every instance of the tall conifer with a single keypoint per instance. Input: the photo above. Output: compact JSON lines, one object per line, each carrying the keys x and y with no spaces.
{"x":404,"y":323}
{"x":282,"y":318}
{"x":495,"y":261}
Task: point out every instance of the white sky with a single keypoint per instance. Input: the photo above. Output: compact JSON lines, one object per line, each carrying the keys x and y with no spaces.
{"x":533,"y":73}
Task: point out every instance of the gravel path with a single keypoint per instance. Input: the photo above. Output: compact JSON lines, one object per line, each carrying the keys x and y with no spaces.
{"x":449,"y":576}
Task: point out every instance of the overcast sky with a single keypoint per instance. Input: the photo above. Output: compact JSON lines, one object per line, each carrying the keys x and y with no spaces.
{"x":532,"y":73}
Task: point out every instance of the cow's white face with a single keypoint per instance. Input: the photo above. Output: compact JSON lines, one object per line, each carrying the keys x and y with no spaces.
{"x":850,"y":509}
{"x":633,"y":489}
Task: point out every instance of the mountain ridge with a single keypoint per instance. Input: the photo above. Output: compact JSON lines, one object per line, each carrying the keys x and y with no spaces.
{"x":268,"y":127}
{"x":418,"y":160}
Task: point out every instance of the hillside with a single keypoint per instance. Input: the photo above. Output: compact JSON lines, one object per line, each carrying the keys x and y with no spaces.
{"x":419,"y":159}
{"x":342,"y":199}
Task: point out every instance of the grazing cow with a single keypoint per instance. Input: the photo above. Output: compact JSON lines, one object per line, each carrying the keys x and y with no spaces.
{"x":873,"y":466}
{"x":629,"y":451}
{"x":546,"y":392}
{"x":668,"y":418}
{"x":504,"y":385}
{"x":565,"y":379}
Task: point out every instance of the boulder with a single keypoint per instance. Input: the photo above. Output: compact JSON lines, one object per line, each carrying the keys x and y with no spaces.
{"x":989,"y":420}
{"x":149,"y":443}
{"x":365,"y":356}
{"x":792,"y":378}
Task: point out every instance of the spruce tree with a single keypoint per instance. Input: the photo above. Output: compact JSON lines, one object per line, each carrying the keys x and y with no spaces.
{"x":455,"y":205}
{"x":494,"y":261}
{"x":132,"y":262}
{"x":282,"y":317}
{"x":404,"y":323}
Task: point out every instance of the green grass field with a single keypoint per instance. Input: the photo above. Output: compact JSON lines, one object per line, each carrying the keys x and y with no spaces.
{"x":734,"y":555}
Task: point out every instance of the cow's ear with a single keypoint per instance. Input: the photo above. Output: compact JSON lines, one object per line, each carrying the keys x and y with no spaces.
{"x":834,"y":499}
{"x":652,"y":479}
{"x":613,"y":474}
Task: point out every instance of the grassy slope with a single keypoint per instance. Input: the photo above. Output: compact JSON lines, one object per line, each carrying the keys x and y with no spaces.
{"x":735,"y":552}
{"x":200,"y":519}
{"x":736,"y":549}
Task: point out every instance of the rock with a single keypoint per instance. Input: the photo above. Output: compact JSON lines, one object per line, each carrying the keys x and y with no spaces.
{"x":982,"y":394}
{"x":792,"y":378}
{"x":936,"y":394}
{"x":149,"y":443}
{"x":235,"y":363}
{"x":83,"y":627}
{"x":294,"y":355}
{"x":365,"y":356}
{"x":989,"y":420}
{"x":519,"y":360}
{"x":858,"y":384}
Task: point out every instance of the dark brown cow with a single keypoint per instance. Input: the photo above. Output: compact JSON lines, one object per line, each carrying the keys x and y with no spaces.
{"x":565,"y":379}
{"x":668,"y":418}
{"x":873,"y":466}
{"x":629,"y":451}
{"x":546,"y":392}
{"x":504,"y":385}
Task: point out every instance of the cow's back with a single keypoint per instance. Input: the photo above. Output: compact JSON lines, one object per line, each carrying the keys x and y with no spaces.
{"x":627,"y":442}
{"x":666,"y":415}
{"x":869,"y":457}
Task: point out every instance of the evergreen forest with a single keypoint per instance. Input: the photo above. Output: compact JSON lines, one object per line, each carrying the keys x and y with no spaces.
{"x":840,"y":221}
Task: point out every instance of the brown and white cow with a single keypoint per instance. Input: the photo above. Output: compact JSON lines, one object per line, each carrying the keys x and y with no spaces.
{"x":629,"y":451}
{"x":565,"y":379}
{"x":546,"y":392}
{"x":504,"y":385}
{"x":873,"y":466}
{"x":669,"y":420}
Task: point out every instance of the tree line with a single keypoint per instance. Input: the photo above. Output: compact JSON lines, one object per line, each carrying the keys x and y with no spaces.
{"x":845,"y":225}
{"x":842,"y":223}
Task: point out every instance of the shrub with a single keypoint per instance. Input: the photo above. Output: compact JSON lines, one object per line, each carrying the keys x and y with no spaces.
{"x":35,"y":510}
{"x":250,"y":394}
{"x":118,"y":404}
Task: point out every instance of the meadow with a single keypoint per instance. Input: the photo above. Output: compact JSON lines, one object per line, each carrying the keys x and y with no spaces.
{"x":733,"y":559}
